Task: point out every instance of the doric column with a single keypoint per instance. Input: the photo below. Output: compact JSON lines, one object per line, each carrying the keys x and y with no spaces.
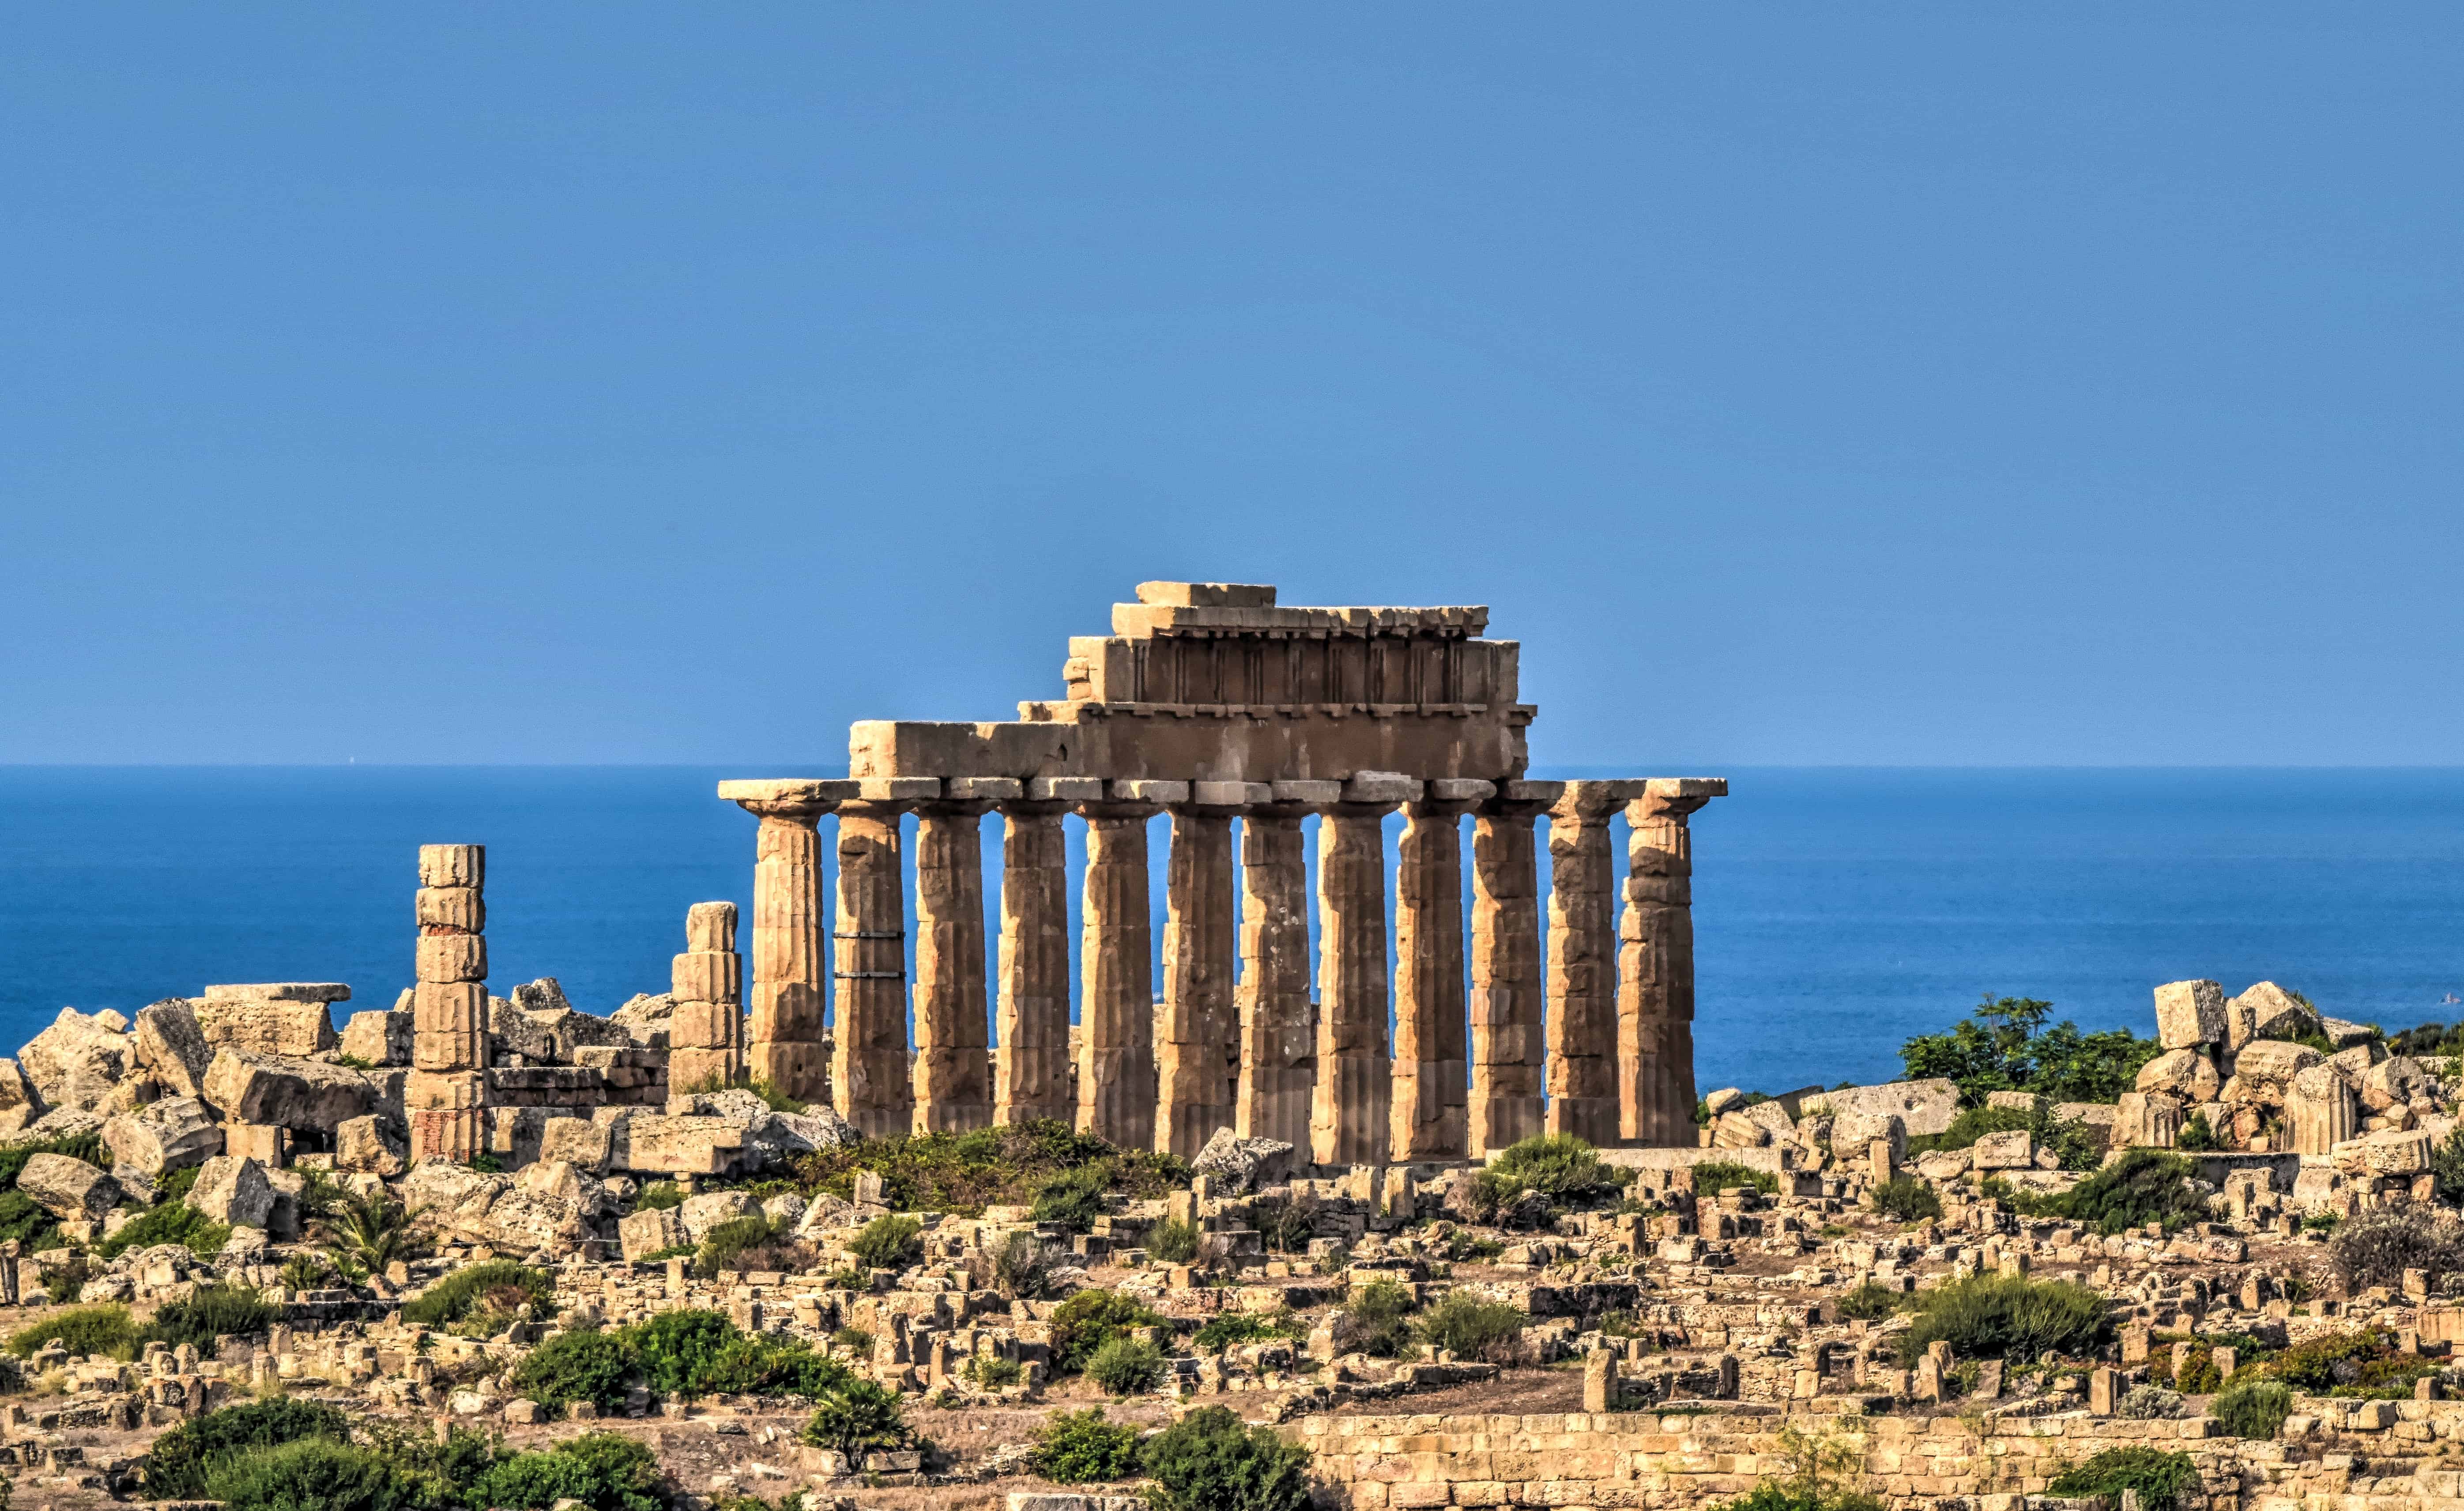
{"x":1032,"y":1070}
{"x":1196,"y":1035}
{"x":1116,"y":1068}
{"x":953,"y":1088}
{"x":1430,"y":1049}
{"x":1656,"y":965}
{"x":446,"y":1093}
{"x":789,"y":999}
{"x":1278,"y":1023}
{"x":1582,"y":961}
{"x":1507,"y":992}
{"x":1351,"y":1115}
{"x":706,"y":1036}
{"x":868,"y":1062}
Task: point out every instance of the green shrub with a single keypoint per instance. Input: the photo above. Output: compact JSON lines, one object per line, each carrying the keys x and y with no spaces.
{"x":2378,"y":1246}
{"x":726,"y":1247}
{"x":1471,"y":1328}
{"x":2160,"y":1478}
{"x":1074,"y":1199}
{"x":858,"y":1418}
{"x":1022,"y":1267}
{"x":1077,"y":1448}
{"x":586,"y":1365}
{"x":659,"y":1197}
{"x":993,"y":1373}
{"x":1088,"y":1321}
{"x":1374,"y":1321}
{"x":181,"y":1459}
{"x":1905,"y":1198}
{"x":2447,"y":1166}
{"x":312,"y":1474}
{"x":1773,"y":1494}
{"x":210,"y":1312}
{"x":1714,"y":1176}
{"x":1210,"y":1460}
{"x":2253,"y":1409}
{"x":2198,"y":1135}
{"x":176,"y":1185}
{"x":855,"y":1337}
{"x":1994,"y":1315}
{"x":1009,"y":1165}
{"x":2003,"y":1045}
{"x":86,"y":1146}
{"x":173,"y":1222}
{"x":83,"y":1330}
{"x":2143,"y":1186}
{"x":1868,"y":1303}
{"x":1558,"y":1165}
{"x":1173,"y":1242}
{"x":478,"y":1289}
{"x":887,"y":1243}
{"x":23,"y":1221}
{"x":1126,"y":1366}
{"x":2321,"y":1364}
{"x":1228,"y":1329}
{"x":694,"y":1352}
{"x":603,"y":1471}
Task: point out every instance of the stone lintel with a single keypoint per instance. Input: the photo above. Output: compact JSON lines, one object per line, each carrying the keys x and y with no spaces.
{"x":1314,"y":794}
{"x":1460,"y":789}
{"x":1065,"y":788}
{"x":1381,"y":786}
{"x":1139,"y":621}
{"x":1139,"y":790}
{"x":895,"y":748}
{"x":898,"y":789}
{"x":1695,"y":787}
{"x":1208,"y":595}
{"x":808,"y":792}
{"x":281,"y":991}
{"x":983,"y":789}
{"x":1230,"y":794}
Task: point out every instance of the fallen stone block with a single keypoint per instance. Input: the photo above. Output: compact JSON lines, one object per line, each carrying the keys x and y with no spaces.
{"x":69,"y":1189}
{"x":2189,"y":1013}
{"x":286,"y":1092}
{"x":162,"y":1136}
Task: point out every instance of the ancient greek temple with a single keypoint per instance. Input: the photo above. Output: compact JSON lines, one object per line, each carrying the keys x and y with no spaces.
{"x":1213,"y":704}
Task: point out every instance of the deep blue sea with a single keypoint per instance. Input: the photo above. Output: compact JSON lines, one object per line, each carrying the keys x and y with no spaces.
{"x":1838,"y":911}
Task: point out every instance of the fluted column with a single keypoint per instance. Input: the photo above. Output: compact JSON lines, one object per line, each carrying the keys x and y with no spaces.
{"x":1506,"y":990}
{"x":1032,"y":1070}
{"x":790,"y":1003}
{"x":1194,"y":1035}
{"x":446,"y":1094}
{"x":952,"y":1072}
{"x":870,"y":1081}
{"x":1278,"y":1024}
{"x":1116,"y":1068}
{"x":1351,"y":1115}
{"x":1656,"y":965}
{"x":1582,"y":962}
{"x":1430,"y":1044}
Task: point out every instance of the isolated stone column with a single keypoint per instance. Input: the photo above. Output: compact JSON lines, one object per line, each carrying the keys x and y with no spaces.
{"x":1278,"y":1022}
{"x":1032,"y":1079}
{"x":870,"y":1073}
{"x":1431,"y":1052}
{"x":1351,"y":1115}
{"x":1508,"y":994}
{"x":1656,"y":965}
{"x":790,"y":1003}
{"x":446,"y":1093}
{"x":706,"y":1036}
{"x":1196,"y":1033}
{"x":953,"y":1024}
{"x":1117,"y":1067}
{"x":1582,"y":962}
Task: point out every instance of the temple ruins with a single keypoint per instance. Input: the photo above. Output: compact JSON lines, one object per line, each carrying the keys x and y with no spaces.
{"x":1211,"y":703}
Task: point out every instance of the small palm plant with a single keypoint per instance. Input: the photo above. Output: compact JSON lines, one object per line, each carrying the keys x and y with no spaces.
{"x":859,"y":1417}
{"x":362,"y":1234}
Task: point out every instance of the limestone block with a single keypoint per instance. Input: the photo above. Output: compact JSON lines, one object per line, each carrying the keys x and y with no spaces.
{"x":380,"y":1038}
{"x":711,"y":926}
{"x":2346,"y":1034}
{"x":647,"y":1018}
{"x":1381,"y":786}
{"x":685,"y":1145}
{"x":1239,"y":1166}
{"x":453,"y":957}
{"x":585,"y":1145}
{"x":461,"y":909}
{"x":646,"y":1232}
{"x":452,"y":865}
{"x":2014,"y":1151}
{"x":2353,"y":1064}
{"x":69,"y":1189}
{"x":2263,"y":1071}
{"x":701,"y":1213}
{"x":2395,"y":1081}
{"x":286,"y":1092}
{"x":371,"y":1145}
{"x":17,"y":1091}
{"x":166,"y":1135}
{"x":2266,"y":1011}
{"x":1924,"y":1107}
{"x":77,"y":1061}
{"x":2187,"y":1074}
{"x":1861,"y":1130}
{"x":2190,"y":1012}
{"x":266,"y":1025}
{"x":2390,"y":1153}
{"x":2148,"y":1120}
{"x":172,"y":1047}
{"x":705,"y":976}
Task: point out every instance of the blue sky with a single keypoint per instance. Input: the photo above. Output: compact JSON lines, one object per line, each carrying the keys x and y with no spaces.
{"x":1888,"y":385}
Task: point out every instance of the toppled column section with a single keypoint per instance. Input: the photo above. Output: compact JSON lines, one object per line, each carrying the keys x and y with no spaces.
{"x":1430,"y":1048}
{"x":1277,"y":1021}
{"x":1196,"y":1028}
{"x":789,"y":1003}
{"x":446,"y":1093}
{"x":1582,"y":961}
{"x":1656,"y":965}
{"x":953,"y":1088}
{"x":1351,"y":1116}
{"x":1506,"y":992}
{"x":706,"y":1036}
{"x":1031,"y":1079}
{"x":1116,"y":1073}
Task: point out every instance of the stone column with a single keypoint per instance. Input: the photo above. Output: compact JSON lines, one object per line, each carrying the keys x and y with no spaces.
{"x":1351,"y":1115}
{"x":953,"y":1025}
{"x":1431,"y":1052}
{"x":1032,"y":1070}
{"x":1116,"y":1068}
{"x":1196,"y":1033}
{"x":789,"y":1000}
{"x":706,"y":1036}
{"x":868,"y":1063}
{"x":1582,"y":962}
{"x":1656,"y":965}
{"x":1506,"y":992}
{"x":1278,"y":1020}
{"x":446,"y":1094}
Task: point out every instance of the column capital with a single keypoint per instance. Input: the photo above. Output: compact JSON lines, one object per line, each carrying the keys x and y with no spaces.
{"x":1450,"y":798}
{"x":1675,"y":796}
{"x":954,"y":807}
{"x":787,"y":797}
{"x":1117,"y":808}
{"x":1033,"y":807}
{"x":1590,"y":801}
